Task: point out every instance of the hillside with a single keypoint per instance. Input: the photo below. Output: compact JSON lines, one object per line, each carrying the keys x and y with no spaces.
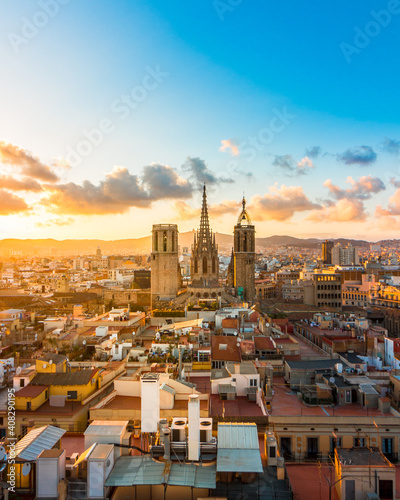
{"x":142,"y":245}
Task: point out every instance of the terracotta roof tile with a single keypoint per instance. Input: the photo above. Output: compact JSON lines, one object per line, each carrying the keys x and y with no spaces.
{"x":30,"y":391}
{"x":230,"y":351}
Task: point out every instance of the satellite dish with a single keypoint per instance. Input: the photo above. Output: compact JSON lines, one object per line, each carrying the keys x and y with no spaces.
{"x":44,"y":366}
{"x":332,"y":380}
{"x":84,"y":342}
{"x":50,"y":362}
{"x":19,"y":370}
{"x":26,"y":468}
{"x":2,"y":452}
{"x":108,"y":463}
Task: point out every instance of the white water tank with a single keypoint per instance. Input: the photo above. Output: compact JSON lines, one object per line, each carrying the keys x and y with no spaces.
{"x":339,"y":367}
{"x":99,"y":465}
{"x":50,"y":470}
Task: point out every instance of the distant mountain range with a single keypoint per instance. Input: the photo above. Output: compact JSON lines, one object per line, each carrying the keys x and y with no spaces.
{"x":142,"y":245}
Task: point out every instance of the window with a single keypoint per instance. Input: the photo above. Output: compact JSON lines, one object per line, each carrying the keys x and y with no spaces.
{"x":359,"y":442}
{"x":312,"y":446}
{"x":22,"y":382}
{"x":28,"y":405}
{"x":253,"y":382}
{"x":46,"y":394}
{"x":387,"y":446}
{"x":348,"y":397}
{"x":72,"y":395}
{"x":165,"y":241}
{"x":335,"y":443}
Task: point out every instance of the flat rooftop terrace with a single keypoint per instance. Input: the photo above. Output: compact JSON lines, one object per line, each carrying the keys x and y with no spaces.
{"x":240,"y":407}
{"x":307,"y":351}
{"x":309,"y":482}
{"x":286,"y":402}
{"x":134,"y":403}
{"x":203,"y":384}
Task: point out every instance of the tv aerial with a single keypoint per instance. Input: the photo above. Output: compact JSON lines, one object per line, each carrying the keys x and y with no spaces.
{"x":26,"y":468}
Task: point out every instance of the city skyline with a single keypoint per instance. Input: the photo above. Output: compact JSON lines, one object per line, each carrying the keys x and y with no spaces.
{"x":120,"y":127}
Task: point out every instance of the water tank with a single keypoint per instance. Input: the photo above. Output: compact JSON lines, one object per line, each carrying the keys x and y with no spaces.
{"x":339,"y":367}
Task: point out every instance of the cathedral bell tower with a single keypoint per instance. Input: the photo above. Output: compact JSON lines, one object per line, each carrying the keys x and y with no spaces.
{"x":244,"y":256}
{"x":165,"y":270}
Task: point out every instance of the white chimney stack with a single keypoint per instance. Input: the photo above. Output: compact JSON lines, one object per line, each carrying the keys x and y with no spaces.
{"x":150,"y":402}
{"x":194,"y":427}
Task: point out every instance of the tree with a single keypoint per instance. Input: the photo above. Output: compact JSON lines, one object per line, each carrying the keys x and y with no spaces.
{"x":110,"y":305}
{"x":135,"y":307}
{"x":169,"y":353}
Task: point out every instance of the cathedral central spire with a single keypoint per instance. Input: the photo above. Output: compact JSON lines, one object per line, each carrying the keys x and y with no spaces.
{"x":204,"y":265}
{"x":204,"y":234}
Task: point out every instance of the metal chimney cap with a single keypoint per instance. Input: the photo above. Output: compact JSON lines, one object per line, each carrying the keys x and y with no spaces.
{"x":193,"y":397}
{"x":166,"y":431}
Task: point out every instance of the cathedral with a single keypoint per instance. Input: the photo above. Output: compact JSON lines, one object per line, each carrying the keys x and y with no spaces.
{"x":204,"y":262}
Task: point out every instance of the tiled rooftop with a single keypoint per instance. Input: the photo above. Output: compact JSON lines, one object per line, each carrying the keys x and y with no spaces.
{"x":264,"y":344}
{"x":30,"y":391}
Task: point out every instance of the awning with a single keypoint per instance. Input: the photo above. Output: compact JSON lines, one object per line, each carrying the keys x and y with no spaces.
{"x":37,"y":440}
{"x":85,"y":455}
{"x":197,"y":476}
{"x":226,"y":389}
{"x":143,"y":470}
{"x":238,"y":448}
{"x":229,"y":460}
{"x":251,"y":390}
{"x":129,"y":470}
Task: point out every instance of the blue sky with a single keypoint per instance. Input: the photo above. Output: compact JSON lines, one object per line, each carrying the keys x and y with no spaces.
{"x":273,"y":80}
